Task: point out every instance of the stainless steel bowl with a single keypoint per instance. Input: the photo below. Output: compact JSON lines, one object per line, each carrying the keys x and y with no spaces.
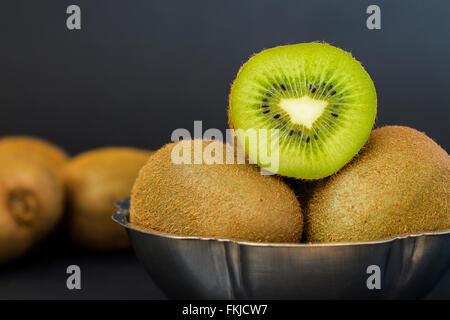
{"x":202,"y":268}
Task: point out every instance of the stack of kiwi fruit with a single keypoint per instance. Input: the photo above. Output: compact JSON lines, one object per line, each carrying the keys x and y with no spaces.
{"x":336,"y":179}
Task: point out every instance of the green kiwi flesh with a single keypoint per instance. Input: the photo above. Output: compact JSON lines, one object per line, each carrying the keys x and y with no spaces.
{"x":398,"y":184}
{"x":320,"y":99}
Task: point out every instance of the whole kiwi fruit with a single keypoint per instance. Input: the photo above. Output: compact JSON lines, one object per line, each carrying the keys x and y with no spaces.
{"x":399,"y":184}
{"x":206,"y":195}
{"x":34,"y":148}
{"x":31,"y":193}
{"x":314,"y":100}
{"x":31,"y":204}
{"x":94,"y":181}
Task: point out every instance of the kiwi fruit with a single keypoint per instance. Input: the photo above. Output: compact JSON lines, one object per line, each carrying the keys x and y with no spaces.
{"x":34,"y":148}
{"x":318,"y":98}
{"x":213,"y":199}
{"x":398,"y":184}
{"x":31,"y":193}
{"x":94,"y":181}
{"x":31,"y":204}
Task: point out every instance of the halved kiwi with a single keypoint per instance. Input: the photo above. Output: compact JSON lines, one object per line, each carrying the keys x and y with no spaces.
{"x":320,"y":99}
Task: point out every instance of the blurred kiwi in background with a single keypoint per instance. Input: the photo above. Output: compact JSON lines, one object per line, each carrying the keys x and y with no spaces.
{"x":94,"y":181}
{"x":31,"y":193}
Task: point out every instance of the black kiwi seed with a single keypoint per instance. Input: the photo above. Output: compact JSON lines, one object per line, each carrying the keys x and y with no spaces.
{"x":265,"y":106}
{"x":330,"y":87}
{"x":276,"y":116}
{"x":333,"y":92}
{"x":307,"y":139}
{"x":264,"y":100}
{"x":299,"y":132}
{"x":266,"y":111}
{"x":313,"y":90}
{"x":291,"y":132}
{"x":283,"y":87}
{"x":334,"y":115}
{"x":315,"y":136}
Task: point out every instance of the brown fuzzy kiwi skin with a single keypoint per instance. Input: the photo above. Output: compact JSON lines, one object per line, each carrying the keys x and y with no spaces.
{"x":34,"y":148}
{"x":399,"y":184}
{"x":225,"y":201}
{"x":31,"y":204}
{"x":94,"y":181}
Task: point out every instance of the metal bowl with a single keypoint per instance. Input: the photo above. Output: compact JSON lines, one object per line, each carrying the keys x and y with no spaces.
{"x":202,"y":268}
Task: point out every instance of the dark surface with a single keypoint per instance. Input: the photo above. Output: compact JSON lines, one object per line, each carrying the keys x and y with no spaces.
{"x":42,"y":275}
{"x":140,"y":69}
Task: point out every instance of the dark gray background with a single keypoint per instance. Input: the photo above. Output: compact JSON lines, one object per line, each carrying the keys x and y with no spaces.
{"x":140,"y":69}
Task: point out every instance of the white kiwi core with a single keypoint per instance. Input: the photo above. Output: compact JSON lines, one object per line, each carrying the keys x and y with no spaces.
{"x":304,"y":110}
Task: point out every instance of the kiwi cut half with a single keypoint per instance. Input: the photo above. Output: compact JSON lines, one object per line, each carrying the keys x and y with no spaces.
{"x":318,"y":96}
